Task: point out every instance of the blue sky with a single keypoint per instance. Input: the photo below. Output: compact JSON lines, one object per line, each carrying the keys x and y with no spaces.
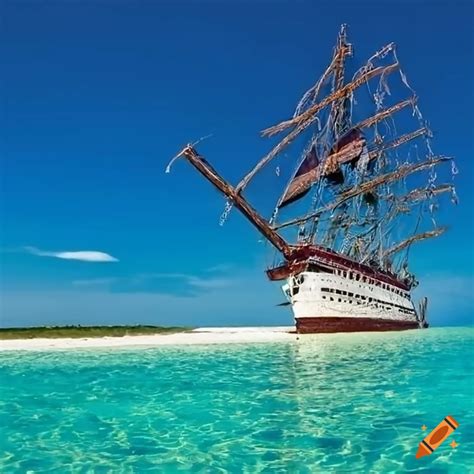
{"x":98,"y":96}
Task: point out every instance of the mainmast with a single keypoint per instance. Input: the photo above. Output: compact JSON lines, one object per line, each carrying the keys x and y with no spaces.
{"x":339,"y":119}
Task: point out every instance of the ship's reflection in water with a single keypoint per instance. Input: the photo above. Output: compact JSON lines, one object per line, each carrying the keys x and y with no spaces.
{"x":360,"y":399}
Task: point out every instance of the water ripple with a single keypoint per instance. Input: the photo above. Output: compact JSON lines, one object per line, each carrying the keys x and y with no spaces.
{"x":332,"y":403}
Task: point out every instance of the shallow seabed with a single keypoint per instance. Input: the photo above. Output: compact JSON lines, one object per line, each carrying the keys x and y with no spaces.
{"x":328,"y":403}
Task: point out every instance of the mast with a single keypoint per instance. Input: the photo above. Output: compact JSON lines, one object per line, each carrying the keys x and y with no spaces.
{"x":338,"y":118}
{"x":201,"y":164}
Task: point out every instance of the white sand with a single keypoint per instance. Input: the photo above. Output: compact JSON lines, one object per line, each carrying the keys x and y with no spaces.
{"x":197,"y":336}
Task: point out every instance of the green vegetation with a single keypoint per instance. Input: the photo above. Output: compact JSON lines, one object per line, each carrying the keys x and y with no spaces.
{"x":86,"y":331}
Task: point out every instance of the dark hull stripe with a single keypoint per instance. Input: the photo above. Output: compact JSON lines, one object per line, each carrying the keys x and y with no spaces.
{"x":350,"y":324}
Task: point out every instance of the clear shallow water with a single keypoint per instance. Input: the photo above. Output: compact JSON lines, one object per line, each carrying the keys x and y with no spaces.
{"x":330,"y":403}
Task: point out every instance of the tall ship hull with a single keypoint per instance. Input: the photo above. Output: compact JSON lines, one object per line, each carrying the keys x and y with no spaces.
{"x":370,"y":193}
{"x":325,"y":303}
{"x":329,"y":296}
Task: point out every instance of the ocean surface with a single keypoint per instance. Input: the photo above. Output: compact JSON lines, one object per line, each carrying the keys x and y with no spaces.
{"x":330,"y":403}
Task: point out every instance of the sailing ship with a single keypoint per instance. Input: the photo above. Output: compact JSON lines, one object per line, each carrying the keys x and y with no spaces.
{"x":364,"y":190}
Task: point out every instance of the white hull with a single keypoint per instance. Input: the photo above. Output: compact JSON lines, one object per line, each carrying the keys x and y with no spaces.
{"x":354,"y":299}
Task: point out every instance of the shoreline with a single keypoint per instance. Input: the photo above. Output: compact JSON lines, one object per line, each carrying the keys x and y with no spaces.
{"x":210,"y":335}
{"x":201,"y":336}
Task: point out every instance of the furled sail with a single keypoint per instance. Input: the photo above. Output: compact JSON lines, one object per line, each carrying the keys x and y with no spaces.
{"x":420,"y":194}
{"x":301,"y":183}
{"x":415,"y":238}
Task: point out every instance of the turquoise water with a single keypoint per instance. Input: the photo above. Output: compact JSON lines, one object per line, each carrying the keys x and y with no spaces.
{"x":329,"y":403}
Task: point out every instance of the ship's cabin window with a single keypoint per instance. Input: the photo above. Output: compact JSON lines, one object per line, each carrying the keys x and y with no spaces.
{"x":351,"y":294}
{"x":296,"y":290}
{"x":331,"y":298}
{"x":357,"y":277}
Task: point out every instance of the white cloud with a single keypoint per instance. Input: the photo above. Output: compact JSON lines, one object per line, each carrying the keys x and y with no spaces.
{"x":82,"y":255}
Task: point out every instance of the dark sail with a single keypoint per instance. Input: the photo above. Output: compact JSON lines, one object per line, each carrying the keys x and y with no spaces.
{"x":304,"y":178}
{"x":347,"y":149}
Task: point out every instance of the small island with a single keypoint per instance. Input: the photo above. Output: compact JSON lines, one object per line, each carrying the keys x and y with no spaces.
{"x":88,"y":337}
{"x":55,"y":332}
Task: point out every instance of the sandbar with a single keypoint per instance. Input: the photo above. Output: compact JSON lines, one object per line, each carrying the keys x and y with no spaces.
{"x":209,"y":335}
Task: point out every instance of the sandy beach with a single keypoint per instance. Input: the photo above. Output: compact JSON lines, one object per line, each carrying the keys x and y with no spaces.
{"x":197,"y":336}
